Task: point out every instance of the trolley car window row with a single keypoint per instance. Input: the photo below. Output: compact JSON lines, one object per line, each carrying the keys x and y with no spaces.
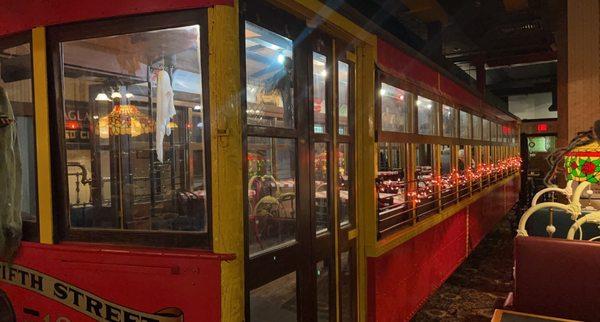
{"x":432,"y":153}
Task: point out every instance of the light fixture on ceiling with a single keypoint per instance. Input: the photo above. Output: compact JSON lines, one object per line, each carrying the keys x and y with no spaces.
{"x":102,"y":97}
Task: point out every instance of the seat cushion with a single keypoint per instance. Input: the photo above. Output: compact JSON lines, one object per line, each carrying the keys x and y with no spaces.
{"x":557,"y":277}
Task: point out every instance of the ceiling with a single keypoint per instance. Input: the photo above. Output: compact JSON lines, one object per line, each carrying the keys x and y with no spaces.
{"x":513,"y":39}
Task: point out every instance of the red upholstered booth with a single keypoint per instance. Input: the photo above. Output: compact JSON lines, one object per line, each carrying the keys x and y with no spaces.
{"x":557,"y":277}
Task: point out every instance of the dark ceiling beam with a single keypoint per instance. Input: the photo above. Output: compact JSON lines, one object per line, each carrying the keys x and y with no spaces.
{"x":521,"y":59}
{"x":504,"y":60}
{"x":545,"y":87}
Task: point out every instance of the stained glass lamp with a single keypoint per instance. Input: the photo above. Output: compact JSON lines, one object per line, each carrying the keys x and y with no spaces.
{"x":125,"y":120}
{"x":583,"y":163}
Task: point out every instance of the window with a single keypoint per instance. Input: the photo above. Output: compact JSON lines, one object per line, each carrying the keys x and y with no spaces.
{"x":395,"y":104}
{"x":395,"y":210}
{"x":271,"y":192}
{"x":135,"y":129}
{"x":345,"y":79}
{"x":320,"y":74}
{"x":476,"y":127}
{"x":426,"y":115}
{"x":465,"y":125}
{"x":269,"y":78}
{"x":447,"y":176}
{"x":449,"y":121}
{"x":16,"y":105}
{"x":486,"y":130}
{"x":425,"y":188}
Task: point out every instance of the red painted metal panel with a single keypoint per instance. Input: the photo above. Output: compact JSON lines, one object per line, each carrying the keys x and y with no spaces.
{"x":403,"y":65}
{"x":400,"y":281}
{"x":113,"y":280}
{"x":458,"y":93}
{"x":19,"y":15}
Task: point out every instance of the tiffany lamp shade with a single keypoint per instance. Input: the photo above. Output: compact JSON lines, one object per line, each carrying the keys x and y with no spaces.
{"x":583,"y":163}
{"x":125,"y":120}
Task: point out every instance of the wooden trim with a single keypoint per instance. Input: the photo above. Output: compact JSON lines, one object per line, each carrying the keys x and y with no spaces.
{"x":42,"y":133}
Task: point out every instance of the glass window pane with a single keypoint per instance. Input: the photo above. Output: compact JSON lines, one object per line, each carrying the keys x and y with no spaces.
{"x":321,"y":170}
{"x":16,"y":107}
{"x":269,"y":78}
{"x":320,"y":75}
{"x":465,"y":125}
{"x":275,"y":301}
{"x":486,"y":130}
{"x":394,"y":108}
{"x":426,"y":115}
{"x":449,"y":121}
{"x":344,"y":183}
{"x":395,"y":210}
{"x":344,"y":102}
{"x":347,"y":285}
{"x":462,"y":160}
{"x":424,"y":176}
{"x":476,"y":127}
{"x":323,"y":280}
{"x":271,"y":192}
{"x":446,"y":162}
{"x":133,"y":116}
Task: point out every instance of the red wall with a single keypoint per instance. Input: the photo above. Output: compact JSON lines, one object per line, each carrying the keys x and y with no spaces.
{"x":400,"y":281}
{"x":21,"y":15}
{"x":400,"y":64}
{"x":145,"y":280}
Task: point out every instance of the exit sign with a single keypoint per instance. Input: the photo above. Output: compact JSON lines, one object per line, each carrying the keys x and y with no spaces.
{"x":542,"y":127}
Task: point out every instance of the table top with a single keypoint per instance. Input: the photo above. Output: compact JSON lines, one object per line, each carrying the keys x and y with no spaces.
{"x":512,"y":316}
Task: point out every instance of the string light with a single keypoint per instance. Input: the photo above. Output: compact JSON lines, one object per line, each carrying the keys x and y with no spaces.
{"x":447,"y":182}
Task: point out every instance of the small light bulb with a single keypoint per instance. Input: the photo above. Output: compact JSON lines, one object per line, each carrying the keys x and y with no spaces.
{"x":116,"y":95}
{"x":129,"y":95}
{"x":197,"y":108}
{"x":382,"y":92}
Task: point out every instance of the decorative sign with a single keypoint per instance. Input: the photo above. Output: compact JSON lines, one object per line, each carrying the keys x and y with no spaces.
{"x":78,"y":299}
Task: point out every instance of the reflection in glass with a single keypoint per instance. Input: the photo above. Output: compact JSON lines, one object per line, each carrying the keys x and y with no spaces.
{"x":426,"y":112}
{"x":269,"y":78}
{"x":424,"y":175}
{"x":275,"y":301}
{"x":446,"y":162}
{"x":323,"y":290}
{"x":127,"y":145}
{"x":449,"y":121}
{"x":486,"y":130}
{"x":320,"y":74}
{"x":393,"y":205}
{"x":394,"y":108}
{"x":16,"y":82}
{"x":476,"y":127}
{"x":344,"y":183}
{"x":344,"y":107}
{"x":462,"y":160}
{"x":271,"y":192}
{"x":346,"y":286}
{"x":465,"y":125}
{"x":321,"y":168}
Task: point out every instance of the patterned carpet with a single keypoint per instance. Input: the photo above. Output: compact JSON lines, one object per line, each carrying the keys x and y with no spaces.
{"x":479,"y":285}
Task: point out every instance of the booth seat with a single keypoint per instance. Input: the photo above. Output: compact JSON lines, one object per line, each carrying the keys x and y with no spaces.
{"x":557,"y":277}
{"x":537,"y":223}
